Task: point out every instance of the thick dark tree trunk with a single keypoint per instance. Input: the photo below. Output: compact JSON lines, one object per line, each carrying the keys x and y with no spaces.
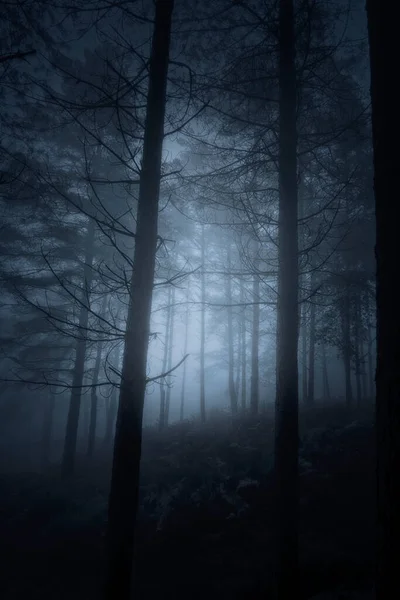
{"x":231,"y":380}
{"x":68,"y":460}
{"x":170,"y":349}
{"x":255,"y":343}
{"x":163,"y":384}
{"x":182,"y":407}
{"x":383,"y":33}
{"x":203,"y":328}
{"x":243,"y":349}
{"x":50,"y":401}
{"x":123,"y":500}
{"x":286,"y":415}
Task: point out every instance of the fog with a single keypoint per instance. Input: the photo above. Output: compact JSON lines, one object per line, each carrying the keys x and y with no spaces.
{"x":187,"y":306}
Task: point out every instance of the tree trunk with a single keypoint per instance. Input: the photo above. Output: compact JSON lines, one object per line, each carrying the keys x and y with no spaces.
{"x":231,"y":381}
{"x":123,"y":499}
{"x":304,"y":370}
{"x":255,"y":342}
{"x":347,"y":351}
{"x":169,"y":364}
{"x":371,"y":384}
{"x":163,"y":391}
{"x":383,"y":32}
{"x":311,"y":356}
{"x":361,"y":349}
{"x":50,"y":401}
{"x":357,"y":357}
{"x":93,"y":391}
{"x":113,"y":405}
{"x":286,"y":415}
{"x":68,"y":460}
{"x":238,"y":361}
{"x":325,"y":378}
{"x":243,"y":348}
{"x":303,"y":333}
{"x":181,"y":412}
{"x":202,"y":328}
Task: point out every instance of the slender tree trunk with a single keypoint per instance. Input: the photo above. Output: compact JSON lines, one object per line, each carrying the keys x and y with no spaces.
{"x":238,"y":361}
{"x":325,"y":378}
{"x":202,"y":328}
{"x":304,"y":370}
{"x":68,"y":460}
{"x":286,"y":415}
{"x":93,"y":404}
{"x":123,"y":500}
{"x":113,"y":404}
{"x":111,"y":414}
{"x":50,"y":401}
{"x":347,"y":351}
{"x":182,"y":407}
{"x":170,"y":349}
{"x":86,"y":413}
{"x":311,"y":356}
{"x":371,"y":383}
{"x":231,"y":381}
{"x":383,"y":34}
{"x":303,"y":333}
{"x":93,"y":391}
{"x":243,"y":351}
{"x":361,"y":350}
{"x":163,"y":391}
{"x":255,"y":343}
{"x":357,"y":357}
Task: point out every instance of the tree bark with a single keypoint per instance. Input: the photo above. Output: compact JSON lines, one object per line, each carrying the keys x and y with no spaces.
{"x":202,"y":328}
{"x":383,"y":33}
{"x":68,"y":460}
{"x":286,"y":415}
{"x":123,"y":499}
{"x":255,"y":343}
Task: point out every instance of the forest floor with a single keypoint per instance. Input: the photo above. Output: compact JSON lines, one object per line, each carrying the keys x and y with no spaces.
{"x":205,"y":527}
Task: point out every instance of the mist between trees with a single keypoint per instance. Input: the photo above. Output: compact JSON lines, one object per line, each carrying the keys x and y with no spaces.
{"x":187,"y":226}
